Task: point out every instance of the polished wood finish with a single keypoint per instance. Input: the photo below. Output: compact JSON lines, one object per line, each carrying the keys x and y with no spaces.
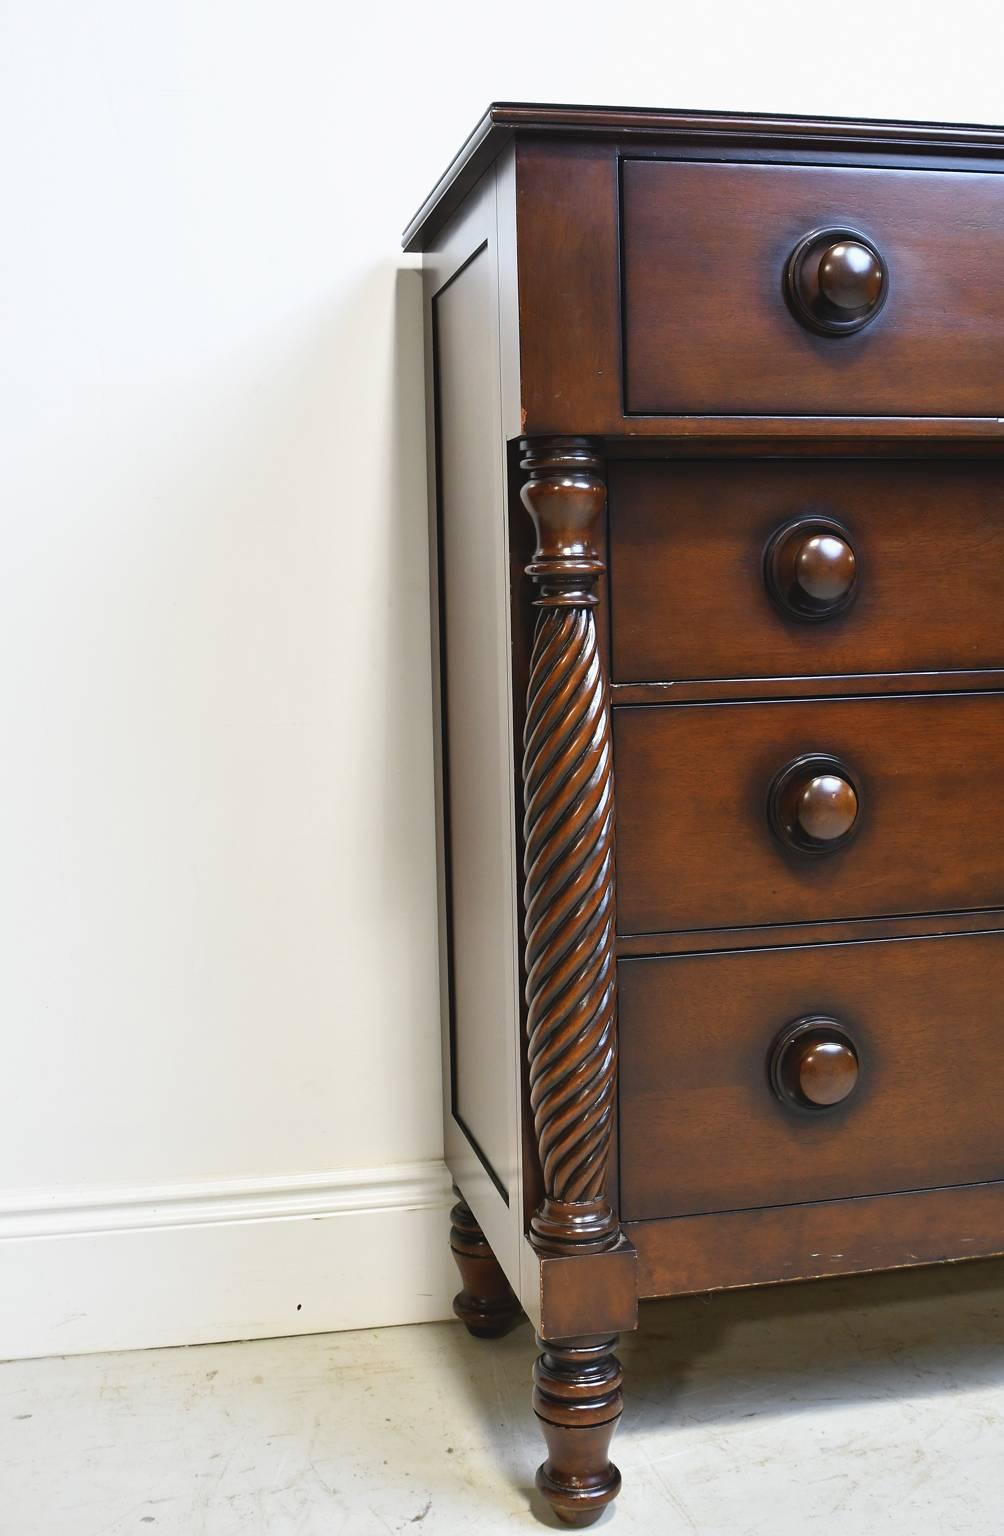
{"x":729,"y":436}
{"x":696,"y":130}
{"x":698,"y":1036}
{"x":578,"y":1399}
{"x":835,"y":281}
{"x":706,"y":941}
{"x":773,"y":1244}
{"x":687,"y":569}
{"x":814,"y":1064}
{"x":486,"y":1305}
{"x":584,"y":1292}
{"x":725,"y":340}
{"x":927,"y":837}
{"x":737,"y":690}
{"x":569,"y":370}
{"x":825,"y":808}
{"x":571,"y":968}
{"x":827,"y":1073}
{"x":813,"y":805}
{"x":744,"y":373}
{"x":569,"y":298}
{"x":810,"y":568}
{"x":569,"y":856}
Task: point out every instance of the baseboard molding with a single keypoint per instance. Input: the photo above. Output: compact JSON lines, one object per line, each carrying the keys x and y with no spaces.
{"x":146,"y":1267}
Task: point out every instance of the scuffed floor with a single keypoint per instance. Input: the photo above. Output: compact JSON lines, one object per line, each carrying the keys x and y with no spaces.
{"x":846,"y":1408}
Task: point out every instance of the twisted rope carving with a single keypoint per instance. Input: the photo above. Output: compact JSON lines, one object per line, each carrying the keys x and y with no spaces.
{"x":571,"y":972}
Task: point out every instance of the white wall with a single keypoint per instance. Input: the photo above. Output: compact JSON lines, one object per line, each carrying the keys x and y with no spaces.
{"x":217,"y":973}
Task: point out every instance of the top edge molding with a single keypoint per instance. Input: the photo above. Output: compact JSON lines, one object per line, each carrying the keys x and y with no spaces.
{"x":504,"y":120}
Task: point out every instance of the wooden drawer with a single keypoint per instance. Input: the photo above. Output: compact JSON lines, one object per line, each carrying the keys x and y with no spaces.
{"x":708,"y":328}
{"x":702,"y":1128}
{"x":923,"y":589}
{"x":695,"y":847}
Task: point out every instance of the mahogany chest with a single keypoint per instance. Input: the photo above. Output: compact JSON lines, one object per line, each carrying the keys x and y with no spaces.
{"x":716,"y":414}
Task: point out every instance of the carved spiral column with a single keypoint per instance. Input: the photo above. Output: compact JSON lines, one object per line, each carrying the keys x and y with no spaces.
{"x":569,"y":856}
{"x":570,"y":962}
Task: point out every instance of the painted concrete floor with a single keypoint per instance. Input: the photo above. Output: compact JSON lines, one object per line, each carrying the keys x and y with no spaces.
{"x":872,"y":1407}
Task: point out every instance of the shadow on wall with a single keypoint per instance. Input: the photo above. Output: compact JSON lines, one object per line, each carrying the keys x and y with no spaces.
{"x":408,"y":715}
{"x":225,"y":743}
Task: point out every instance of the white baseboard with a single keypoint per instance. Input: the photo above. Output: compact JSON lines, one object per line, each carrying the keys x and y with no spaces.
{"x":147,"y":1267}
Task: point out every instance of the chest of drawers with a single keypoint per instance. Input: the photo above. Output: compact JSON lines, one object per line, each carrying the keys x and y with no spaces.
{"x":716,"y":411}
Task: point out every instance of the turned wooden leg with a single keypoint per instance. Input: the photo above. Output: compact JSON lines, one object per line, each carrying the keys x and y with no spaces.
{"x":577,"y":1398}
{"x":487,"y":1304}
{"x":571,"y":986}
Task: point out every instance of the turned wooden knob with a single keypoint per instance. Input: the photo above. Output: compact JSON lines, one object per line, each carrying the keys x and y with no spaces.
{"x":826,"y":807}
{"x":824,"y":567}
{"x":810,"y":568}
{"x":814,"y":803}
{"x":827,"y":1071}
{"x":814,"y":1064}
{"x":850,"y":276}
{"x":835,"y":281}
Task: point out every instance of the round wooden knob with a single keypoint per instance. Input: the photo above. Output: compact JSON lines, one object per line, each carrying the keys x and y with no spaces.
{"x":850,"y":276}
{"x":835,"y":281}
{"x":827,"y":1071}
{"x":810,"y":568}
{"x":814,"y":1064}
{"x":814,"y":804}
{"x":826,"y":807}
{"x":824,"y":567}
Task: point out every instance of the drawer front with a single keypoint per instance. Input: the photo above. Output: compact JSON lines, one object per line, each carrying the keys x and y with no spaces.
{"x":703,"y":1129}
{"x":891,"y":806}
{"x":767,"y":569}
{"x":709,"y":328}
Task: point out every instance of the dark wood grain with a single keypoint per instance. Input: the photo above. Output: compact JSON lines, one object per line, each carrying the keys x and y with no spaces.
{"x":569,"y":292}
{"x":571,"y":971}
{"x":810,"y":568}
{"x":697,"y":1035}
{"x":695,"y":848}
{"x":836,"y":281}
{"x":568,"y":853}
{"x":811,"y":435}
{"x":785,"y":337}
{"x":523,"y":591}
{"x":773,"y":935}
{"x":578,"y":1399}
{"x":814,"y":1064}
{"x":814,"y":804}
{"x":588,"y":1292}
{"x":486,"y":1305}
{"x":836,"y":685}
{"x":764,"y":133}
{"x":568,"y":321}
{"x":688,"y":589}
{"x":768,"y":1246}
{"x":707,"y":328}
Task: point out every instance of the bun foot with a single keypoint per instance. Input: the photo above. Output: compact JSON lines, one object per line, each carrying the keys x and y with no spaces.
{"x":487,"y":1305}
{"x":578,"y":1506}
{"x":577,"y":1398}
